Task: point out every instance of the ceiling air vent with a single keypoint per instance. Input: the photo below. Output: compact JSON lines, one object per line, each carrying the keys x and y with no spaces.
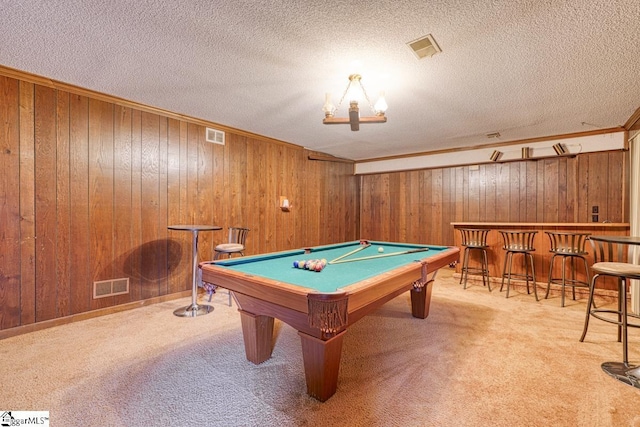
{"x":424,"y":47}
{"x":215,"y":136}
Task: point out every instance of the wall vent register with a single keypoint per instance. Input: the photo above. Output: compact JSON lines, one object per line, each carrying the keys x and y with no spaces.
{"x":108,"y":288}
{"x":215,"y":136}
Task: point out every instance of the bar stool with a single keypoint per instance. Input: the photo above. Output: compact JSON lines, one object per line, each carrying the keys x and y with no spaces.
{"x":519,"y":242}
{"x":475,"y":239}
{"x":611,"y":259}
{"x":235,"y":245}
{"x":572,"y":246}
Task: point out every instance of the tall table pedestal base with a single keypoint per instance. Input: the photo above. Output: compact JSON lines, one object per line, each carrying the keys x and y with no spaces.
{"x":193,"y":310}
{"x":623,"y":372}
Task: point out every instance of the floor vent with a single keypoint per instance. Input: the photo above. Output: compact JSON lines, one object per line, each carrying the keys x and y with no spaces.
{"x":108,"y":288}
{"x":215,"y":136}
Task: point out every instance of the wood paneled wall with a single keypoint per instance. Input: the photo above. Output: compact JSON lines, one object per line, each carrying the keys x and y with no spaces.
{"x":419,"y":206}
{"x":88,"y":188}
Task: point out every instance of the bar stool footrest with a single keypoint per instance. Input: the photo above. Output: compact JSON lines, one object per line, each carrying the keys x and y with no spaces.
{"x":569,"y":282}
{"x":518,"y":276}
{"x":596,"y":313}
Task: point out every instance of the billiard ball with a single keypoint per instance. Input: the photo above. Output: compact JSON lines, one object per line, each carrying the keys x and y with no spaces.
{"x":380,"y":249}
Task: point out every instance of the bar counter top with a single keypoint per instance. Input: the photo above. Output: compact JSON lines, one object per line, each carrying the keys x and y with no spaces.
{"x":543,"y":224}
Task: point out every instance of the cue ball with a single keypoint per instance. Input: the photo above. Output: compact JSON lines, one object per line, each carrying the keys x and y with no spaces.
{"x":380,"y":249}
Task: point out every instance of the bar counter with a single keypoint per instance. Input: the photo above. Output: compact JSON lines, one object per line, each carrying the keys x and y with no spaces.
{"x":541,"y":256}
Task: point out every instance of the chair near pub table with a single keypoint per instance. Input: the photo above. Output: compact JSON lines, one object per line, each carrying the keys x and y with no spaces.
{"x":571,"y":246}
{"x":612,"y":259}
{"x":235,"y":245}
{"x":519,"y":242}
{"x":475,"y":239}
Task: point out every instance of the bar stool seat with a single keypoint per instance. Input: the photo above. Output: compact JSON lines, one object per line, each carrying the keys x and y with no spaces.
{"x":519,"y":242}
{"x":235,"y":244}
{"x":623,"y":271}
{"x":571,"y":246}
{"x":475,"y":239}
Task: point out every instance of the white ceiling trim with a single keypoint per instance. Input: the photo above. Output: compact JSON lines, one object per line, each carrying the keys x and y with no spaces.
{"x":576,"y":145}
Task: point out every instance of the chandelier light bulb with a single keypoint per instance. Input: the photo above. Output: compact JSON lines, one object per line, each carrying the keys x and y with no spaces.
{"x":380,"y":106}
{"x":328,"y":107}
{"x":354,"y":95}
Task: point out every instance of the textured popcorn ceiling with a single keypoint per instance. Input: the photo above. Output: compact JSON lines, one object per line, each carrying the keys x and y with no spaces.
{"x":525,"y":69}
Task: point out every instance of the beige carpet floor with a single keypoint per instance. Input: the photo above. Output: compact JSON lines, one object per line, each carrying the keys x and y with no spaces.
{"x":478,"y":360}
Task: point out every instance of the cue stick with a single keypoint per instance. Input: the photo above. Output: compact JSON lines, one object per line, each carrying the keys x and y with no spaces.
{"x":350,"y":253}
{"x":381,"y":255}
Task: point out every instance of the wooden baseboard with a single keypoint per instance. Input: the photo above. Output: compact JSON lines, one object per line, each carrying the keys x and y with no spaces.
{"x":25,"y":329}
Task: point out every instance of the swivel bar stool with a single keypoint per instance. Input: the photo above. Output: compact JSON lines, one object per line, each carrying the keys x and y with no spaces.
{"x":572,"y":246}
{"x":474,"y":239}
{"x":235,"y":245}
{"x":519,"y":242}
{"x":611,"y":255}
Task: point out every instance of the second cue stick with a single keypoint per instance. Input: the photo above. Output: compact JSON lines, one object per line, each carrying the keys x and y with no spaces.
{"x":380,"y":256}
{"x":350,"y":253}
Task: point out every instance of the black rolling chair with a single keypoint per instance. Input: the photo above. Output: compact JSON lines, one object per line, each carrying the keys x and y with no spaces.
{"x":474,"y":239}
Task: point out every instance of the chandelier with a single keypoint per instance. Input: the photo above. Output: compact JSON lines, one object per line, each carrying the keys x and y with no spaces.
{"x":353,"y":93}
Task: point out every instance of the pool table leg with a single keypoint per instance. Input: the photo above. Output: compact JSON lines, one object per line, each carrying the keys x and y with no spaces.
{"x":321,"y":364}
{"x":421,"y":300}
{"x":257,"y":332}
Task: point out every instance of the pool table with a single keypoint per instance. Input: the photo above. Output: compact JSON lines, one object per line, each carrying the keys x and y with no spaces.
{"x":321,"y":305}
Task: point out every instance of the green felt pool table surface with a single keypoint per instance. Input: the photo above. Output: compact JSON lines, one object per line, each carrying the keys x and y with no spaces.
{"x":279,"y":266}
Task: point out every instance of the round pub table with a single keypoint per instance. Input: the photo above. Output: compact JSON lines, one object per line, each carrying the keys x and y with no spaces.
{"x":194,"y":309}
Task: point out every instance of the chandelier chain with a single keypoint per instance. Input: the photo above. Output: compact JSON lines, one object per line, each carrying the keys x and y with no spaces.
{"x":366,"y":96}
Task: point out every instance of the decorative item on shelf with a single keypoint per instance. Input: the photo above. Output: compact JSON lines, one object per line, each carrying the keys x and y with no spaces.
{"x":559,"y":149}
{"x":526,"y":152}
{"x":354,"y":92}
{"x":495,"y":156}
{"x":284,"y":204}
